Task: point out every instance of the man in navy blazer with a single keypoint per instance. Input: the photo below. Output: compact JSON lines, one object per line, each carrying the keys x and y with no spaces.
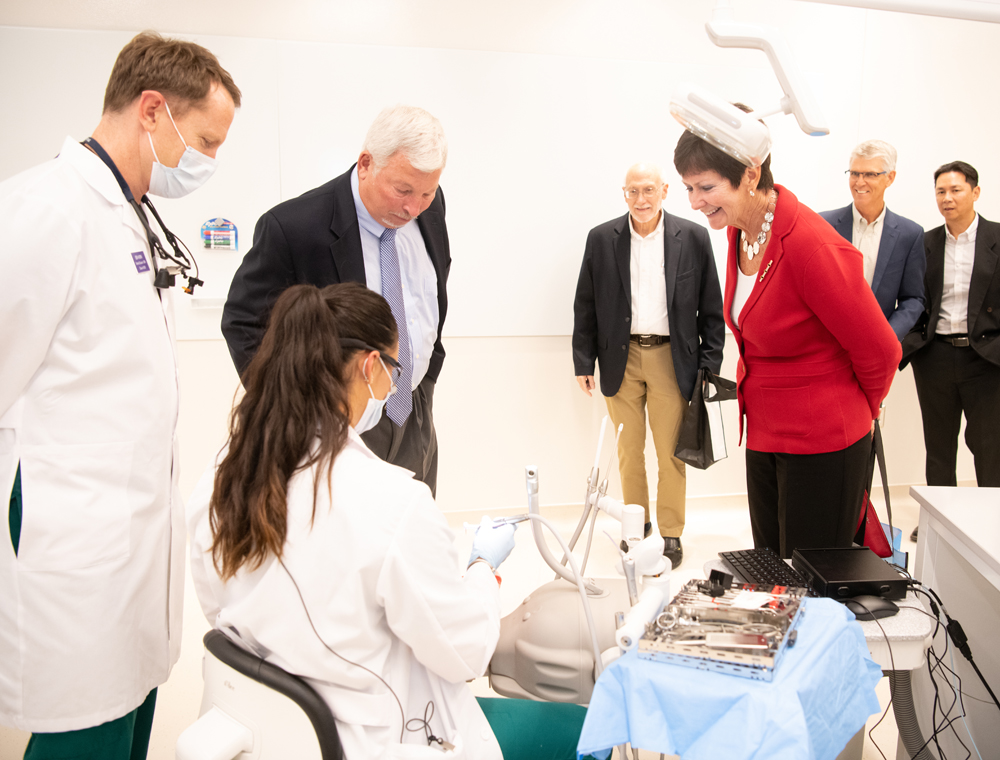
{"x":648,"y":309}
{"x":331,"y":234}
{"x":892,"y":246}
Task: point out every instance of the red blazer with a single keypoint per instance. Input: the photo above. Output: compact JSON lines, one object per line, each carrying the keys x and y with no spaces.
{"x":817,"y":355}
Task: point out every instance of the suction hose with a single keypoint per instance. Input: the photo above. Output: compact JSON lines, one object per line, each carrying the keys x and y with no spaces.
{"x":906,"y":715}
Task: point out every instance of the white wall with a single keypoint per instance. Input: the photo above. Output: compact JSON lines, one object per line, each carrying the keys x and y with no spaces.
{"x":545,"y":105}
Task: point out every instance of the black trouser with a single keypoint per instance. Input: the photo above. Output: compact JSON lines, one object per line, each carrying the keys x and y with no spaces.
{"x":414,"y":445}
{"x":951,"y":380}
{"x":806,"y":501}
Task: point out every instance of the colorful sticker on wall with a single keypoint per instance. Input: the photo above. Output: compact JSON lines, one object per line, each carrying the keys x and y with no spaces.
{"x":219,"y":234}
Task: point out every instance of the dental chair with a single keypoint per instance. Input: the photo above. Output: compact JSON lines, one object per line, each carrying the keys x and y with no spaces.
{"x":254,"y":710}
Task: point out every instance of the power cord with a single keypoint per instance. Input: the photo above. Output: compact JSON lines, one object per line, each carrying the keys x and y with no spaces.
{"x":958,"y":637}
{"x":955,"y":638}
{"x":892,"y":663}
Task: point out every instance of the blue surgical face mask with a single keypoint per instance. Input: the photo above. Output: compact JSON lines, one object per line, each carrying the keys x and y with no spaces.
{"x":373,"y":409}
{"x":191,"y":172}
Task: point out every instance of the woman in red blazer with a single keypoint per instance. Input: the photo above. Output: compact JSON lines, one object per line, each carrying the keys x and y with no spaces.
{"x":817,"y":355}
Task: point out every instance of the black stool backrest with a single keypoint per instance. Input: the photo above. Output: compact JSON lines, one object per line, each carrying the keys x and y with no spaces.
{"x":293,"y":687}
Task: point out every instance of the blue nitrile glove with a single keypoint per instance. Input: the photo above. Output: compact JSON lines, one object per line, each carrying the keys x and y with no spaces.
{"x":493,"y":544}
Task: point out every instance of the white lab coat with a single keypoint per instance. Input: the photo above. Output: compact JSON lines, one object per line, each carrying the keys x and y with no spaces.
{"x":379,"y":573}
{"x":90,"y":607}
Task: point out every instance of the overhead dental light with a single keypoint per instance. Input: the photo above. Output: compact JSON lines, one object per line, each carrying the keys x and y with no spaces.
{"x":723,"y":125}
{"x":740,"y":134}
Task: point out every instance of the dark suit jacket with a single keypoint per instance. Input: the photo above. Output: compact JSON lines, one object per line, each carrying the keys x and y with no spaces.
{"x":984,"y":294}
{"x":316,"y":239}
{"x":603,"y":306}
{"x":898,"y":282}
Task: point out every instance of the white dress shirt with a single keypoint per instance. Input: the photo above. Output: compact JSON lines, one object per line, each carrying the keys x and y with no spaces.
{"x":866,"y":238}
{"x":649,"y":283}
{"x":959,"y":256}
{"x":420,"y":296}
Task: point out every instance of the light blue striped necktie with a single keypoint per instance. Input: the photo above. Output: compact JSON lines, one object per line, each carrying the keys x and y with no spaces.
{"x":400,"y":404}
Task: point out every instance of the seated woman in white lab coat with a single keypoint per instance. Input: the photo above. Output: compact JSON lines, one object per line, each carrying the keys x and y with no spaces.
{"x":338,"y":567}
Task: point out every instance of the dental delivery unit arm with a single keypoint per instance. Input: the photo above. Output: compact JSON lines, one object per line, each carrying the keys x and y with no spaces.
{"x":554,"y":644}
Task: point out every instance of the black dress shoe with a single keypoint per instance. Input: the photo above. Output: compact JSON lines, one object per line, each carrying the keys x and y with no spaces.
{"x":673,"y":550}
{"x":913,"y":535}
{"x":647,"y":529}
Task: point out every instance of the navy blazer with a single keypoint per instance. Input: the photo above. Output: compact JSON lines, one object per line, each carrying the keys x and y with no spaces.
{"x":603,"y":306}
{"x":984,"y":294}
{"x":898,"y":282}
{"x":316,"y":239}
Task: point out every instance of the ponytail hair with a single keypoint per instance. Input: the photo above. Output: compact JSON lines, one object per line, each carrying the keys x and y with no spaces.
{"x":294,"y":415}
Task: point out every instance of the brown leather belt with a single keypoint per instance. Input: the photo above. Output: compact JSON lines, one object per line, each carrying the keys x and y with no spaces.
{"x":649,"y":340}
{"x":961,"y":341}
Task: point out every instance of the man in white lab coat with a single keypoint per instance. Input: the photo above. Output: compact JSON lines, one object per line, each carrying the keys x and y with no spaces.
{"x":91,"y":571}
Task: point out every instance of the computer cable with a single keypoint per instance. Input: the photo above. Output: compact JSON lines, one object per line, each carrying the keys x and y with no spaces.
{"x":960,"y":640}
{"x":964,"y":695}
{"x":892,"y":663}
{"x":935,"y":664}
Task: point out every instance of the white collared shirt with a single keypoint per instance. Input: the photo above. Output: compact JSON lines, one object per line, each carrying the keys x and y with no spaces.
{"x":959,"y":256}
{"x":866,"y":238}
{"x":649,"y":283}
{"x":420,"y":296}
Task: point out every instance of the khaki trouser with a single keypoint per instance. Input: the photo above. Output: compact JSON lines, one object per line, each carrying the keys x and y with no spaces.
{"x":650,"y":383}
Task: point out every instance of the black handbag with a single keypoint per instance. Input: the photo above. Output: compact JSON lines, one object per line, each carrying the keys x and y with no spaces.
{"x":695,"y":445}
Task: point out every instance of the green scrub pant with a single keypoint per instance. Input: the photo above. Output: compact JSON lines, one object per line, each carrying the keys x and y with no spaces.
{"x":14,"y":513}
{"x":126,"y":738}
{"x":528,"y":730}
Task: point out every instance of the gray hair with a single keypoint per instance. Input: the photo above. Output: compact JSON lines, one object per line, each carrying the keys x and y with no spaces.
{"x":876,"y":149}
{"x":411,"y":131}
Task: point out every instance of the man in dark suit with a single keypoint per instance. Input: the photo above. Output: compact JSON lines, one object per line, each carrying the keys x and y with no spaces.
{"x":381,"y":224}
{"x":954,"y":348}
{"x":892,"y":246}
{"x":648,"y":309}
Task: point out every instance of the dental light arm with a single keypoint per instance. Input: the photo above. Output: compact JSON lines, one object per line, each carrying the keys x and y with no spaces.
{"x":729,"y":129}
{"x":725,"y":31}
{"x":970,"y":10}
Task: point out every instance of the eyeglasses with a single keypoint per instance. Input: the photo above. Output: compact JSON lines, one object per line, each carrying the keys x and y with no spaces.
{"x":394,"y":374}
{"x":384,"y":358}
{"x":646,"y":192}
{"x":867,"y":175}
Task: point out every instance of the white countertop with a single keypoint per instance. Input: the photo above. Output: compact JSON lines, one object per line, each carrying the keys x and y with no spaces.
{"x":972,"y":516}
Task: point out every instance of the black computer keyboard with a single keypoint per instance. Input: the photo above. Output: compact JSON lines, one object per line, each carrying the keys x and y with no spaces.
{"x":763,"y":567}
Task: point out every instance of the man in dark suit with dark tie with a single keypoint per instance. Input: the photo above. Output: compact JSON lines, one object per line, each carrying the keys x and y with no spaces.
{"x":892,"y":246}
{"x":382,"y":224}
{"x":955,"y":347}
{"x":648,"y":309}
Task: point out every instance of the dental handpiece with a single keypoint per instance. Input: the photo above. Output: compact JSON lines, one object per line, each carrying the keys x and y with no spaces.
{"x":513,"y":519}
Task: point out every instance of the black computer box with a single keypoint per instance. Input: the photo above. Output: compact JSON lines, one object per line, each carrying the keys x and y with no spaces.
{"x":843,"y":573}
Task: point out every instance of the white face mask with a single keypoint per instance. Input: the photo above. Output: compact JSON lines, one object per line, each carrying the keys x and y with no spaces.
{"x":371,"y":415}
{"x":191,"y":172}
{"x":373,"y":409}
